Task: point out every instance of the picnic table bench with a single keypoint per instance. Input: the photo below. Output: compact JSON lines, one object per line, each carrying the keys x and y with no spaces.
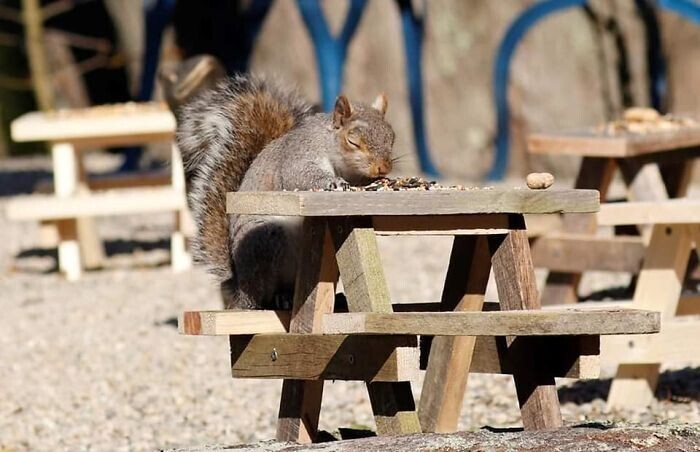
{"x":69,"y":212}
{"x":655,"y":166}
{"x":371,"y":339}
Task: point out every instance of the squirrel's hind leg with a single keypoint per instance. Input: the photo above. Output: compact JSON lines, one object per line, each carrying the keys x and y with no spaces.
{"x":259,"y":253}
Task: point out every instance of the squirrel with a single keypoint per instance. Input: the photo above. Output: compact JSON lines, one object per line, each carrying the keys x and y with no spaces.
{"x":252,"y":134}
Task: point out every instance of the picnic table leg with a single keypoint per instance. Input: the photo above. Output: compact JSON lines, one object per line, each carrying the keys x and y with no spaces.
{"x":450,"y":357}
{"x":658,"y":288}
{"x":79,"y":246}
{"x":183,"y":221}
{"x":515,"y":280}
{"x":300,"y":404}
{"x":596,"y":174}
{"x":366,"y":290}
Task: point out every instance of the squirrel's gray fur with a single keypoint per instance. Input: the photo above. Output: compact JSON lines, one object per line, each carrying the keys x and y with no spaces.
{"x":251,"y":134}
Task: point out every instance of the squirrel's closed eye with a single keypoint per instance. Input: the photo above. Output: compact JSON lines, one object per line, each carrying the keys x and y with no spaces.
{"x":353,"y":141}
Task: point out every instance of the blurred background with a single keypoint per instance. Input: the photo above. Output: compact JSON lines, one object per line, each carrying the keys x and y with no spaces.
{"x":577,"y":67}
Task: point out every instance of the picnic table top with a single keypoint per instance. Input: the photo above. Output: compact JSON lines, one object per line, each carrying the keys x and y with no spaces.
{"x":592,"y":143}
{"x":432,"y":202}
{"x":146,"y":119}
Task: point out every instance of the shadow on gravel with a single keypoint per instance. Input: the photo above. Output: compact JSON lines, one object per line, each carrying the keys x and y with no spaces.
{"x":678,"y":386}
{"x":112,"y":248}
{"x":171,"y":321}
{"x":120,"y":246}
{"x":21,"y":182}
{"x":488,"y":428}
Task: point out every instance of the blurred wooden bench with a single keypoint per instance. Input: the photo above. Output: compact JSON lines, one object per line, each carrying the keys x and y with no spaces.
{"x":69,"y":213}
{"x":372,"y":340}
{"x":654,"y":166}
{"x":675,"y":233}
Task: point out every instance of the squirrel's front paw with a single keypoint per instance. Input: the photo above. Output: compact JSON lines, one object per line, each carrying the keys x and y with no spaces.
{"x":337,"y":184}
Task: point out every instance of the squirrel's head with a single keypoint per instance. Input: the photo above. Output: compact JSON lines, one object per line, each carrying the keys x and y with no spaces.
{"x":365,"y":137}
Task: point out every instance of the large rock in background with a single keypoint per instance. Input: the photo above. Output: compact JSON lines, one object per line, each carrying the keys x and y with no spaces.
{"x":557,"y":79}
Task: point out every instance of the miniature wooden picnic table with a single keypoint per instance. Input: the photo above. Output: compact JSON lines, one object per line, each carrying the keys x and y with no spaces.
{"x":655,"y":166}
{"x":375,"y":341}
{"x":70,"y":211}
{"x":675,"y":232}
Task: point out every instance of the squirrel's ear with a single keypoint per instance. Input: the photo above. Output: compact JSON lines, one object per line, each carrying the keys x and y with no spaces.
{"x":380,"y":103}
{"x":342,"y":111}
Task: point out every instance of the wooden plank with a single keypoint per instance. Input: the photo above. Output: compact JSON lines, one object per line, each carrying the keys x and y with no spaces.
{"x":231,"y":323}
{"x":314,"y":295}
{"x":69,"y":181}
{"x":117,"y":202}
{"x":179,"y":257}
{"x":442,"y":224}
{"x":677,"y":176}
{"x":670,"y":346}
{"x":148,"y":121}
{"x":596,"y":174}
{"x":659,"y":287}
{"x":450,"y":357}
{"x":393,"y":407}
{"x":436,"y":202}
{"x":643,"y":180}
{"x":516,"y":284}
{"x":578,"y":253}
{"x":672,"y":211}
{"x":590,"y":143}
{"x":109,"y":182}
{"x":503,"y":323}
{"x":69,"y":259}
{"x":360,"y":266}
{"x":567,"y":356}
{"x":319,"y":357}
{"x":365,"y":287}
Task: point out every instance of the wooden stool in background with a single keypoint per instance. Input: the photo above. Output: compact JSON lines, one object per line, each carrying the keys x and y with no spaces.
{"x":74,"y":204}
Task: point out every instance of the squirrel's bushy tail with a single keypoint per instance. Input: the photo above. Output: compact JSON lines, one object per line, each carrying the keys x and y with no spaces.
{"x":219,"y":134}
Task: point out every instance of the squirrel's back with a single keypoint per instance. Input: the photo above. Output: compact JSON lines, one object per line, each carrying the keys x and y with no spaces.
{"x":219,"y":134}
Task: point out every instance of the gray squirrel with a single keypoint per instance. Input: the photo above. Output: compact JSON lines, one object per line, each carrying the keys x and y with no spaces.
{"x":253,"y":134}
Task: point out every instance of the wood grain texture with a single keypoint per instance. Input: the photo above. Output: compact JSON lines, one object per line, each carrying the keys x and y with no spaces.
{"x":515,"y":281}
{"x":394,"y":408}
{"x":450,"y":357}
{"x":590,"y":143}
{"x":504,"y":323}
{"x":231,"y":323}
{"x":317,"y":275}
{"x":109,"y":203}
{"x":580,"y":252}
{"x":438,"y":202}
{"x":365,"y":287}
{"x":672,"y":211}
{"x":321,"y":357}
{"x":360,"y":265}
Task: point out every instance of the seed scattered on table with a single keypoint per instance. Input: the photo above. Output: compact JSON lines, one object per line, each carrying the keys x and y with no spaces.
{"x":642,"y":120}
{"x":406,"y":184}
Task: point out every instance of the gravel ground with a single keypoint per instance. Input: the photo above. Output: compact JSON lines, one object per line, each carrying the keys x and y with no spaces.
{"x":98,"y":364}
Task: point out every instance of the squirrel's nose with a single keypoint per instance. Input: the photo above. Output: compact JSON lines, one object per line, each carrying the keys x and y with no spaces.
{"x":382,"y":168}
